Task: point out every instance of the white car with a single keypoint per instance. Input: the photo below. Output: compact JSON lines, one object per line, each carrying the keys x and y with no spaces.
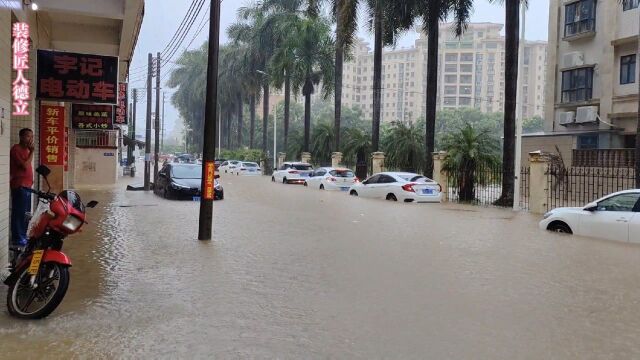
{"x":399,"y":186}
{"x":246,"y":168}
{"x":227,"y":166}
{"x":614,"y":217}
{"x":328,"y":178}
{"x":292,"y":172}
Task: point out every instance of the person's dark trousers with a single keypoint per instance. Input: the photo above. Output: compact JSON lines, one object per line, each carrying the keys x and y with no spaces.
{"x":20,"y":205}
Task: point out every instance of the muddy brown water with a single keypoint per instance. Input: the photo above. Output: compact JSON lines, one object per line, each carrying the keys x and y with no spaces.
{"x":298,"y":273}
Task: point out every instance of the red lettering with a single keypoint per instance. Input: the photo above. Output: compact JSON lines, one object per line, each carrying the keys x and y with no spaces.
{"x":91,"y":67}
{"x":65,"y":63}
{"x":103,"y":91}
{"x":51,"y":88}
{"x":78,"y":89}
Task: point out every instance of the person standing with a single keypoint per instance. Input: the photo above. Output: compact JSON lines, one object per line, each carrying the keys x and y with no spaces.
{"x":21,"y":174}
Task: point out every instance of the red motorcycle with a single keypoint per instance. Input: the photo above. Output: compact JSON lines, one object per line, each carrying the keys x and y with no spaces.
{"x":40,"y":273}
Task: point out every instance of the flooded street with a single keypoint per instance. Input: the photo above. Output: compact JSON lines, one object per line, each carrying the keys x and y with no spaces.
{"x":298,"y":273}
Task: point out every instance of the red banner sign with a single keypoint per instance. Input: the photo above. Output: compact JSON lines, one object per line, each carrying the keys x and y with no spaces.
{"x":209,"y":180}
{"x":66,"y":150}
{"x":21,"y":88}
{"x":52,"y":139}
{"x":92,"y":117}
{"x":121,"y":109}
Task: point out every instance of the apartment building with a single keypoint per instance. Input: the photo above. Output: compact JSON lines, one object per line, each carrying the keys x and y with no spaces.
{"x":470,"y":74}
{"x":592,"y":94}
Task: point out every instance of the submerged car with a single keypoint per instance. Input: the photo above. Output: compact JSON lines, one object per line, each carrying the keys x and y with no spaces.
{"x":183,"y":181}
{"x":613,"y":217}
{"x":399,"y":186}
{"x":292,"y":173}
{"x":328,"y":178}
{"x":246,"y":168}
{"x":228,"y":166}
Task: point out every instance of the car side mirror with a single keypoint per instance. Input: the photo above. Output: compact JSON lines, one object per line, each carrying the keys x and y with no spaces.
{"x":161,"y":174}
{"x":591,"y":207}
{"x":91,"y":204}
{"x":43,"y":170}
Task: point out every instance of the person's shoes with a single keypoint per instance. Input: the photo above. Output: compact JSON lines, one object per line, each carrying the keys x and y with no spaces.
{"x":5,"y":272}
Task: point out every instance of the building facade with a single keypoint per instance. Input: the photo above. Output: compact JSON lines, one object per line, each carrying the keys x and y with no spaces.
{"x":592,"y":94}
{"x":470,"y":74}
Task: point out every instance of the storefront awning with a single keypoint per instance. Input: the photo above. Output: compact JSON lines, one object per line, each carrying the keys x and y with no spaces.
{"x":131,"y":142}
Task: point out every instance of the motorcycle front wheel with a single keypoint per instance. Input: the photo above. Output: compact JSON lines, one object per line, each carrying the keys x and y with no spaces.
{"x":25,"y":302}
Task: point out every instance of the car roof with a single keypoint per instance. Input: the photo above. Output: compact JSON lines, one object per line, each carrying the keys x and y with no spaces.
{"x":295,"y":163}
{"x":249,"y":162}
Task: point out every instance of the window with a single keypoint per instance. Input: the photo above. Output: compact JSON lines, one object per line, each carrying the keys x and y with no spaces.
{"x":619,"y":203}
{"x":451,"y":68}
{"x":386,"y":179}
{"x":451,"y":57}
{"x":466,"y":57}
{"x":464,"y":101}
{"x":629,"y":4}
{"x":466,"y":79}
{"x":580,"y":17}
{"x":451,"y":79}
{"x":449,"y":90}
{"x":492,"y":45}
{"x":465,"y":90}
{"x":372,"y":180}
{"x":577,"y":85}
{"x":628,"y":69}
{"x":320,"y":172}
{"x":449,"y":101}
{"x":466,"y":68}
{"x":588,"y":142}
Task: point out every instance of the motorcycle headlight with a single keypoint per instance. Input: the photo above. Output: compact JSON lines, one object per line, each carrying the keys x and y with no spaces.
{"x":547,"y":215}
{"x":71,"y":223}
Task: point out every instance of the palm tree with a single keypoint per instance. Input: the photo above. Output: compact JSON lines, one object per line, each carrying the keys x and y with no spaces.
{"x":467,"y":151}
{"x":313,"y":64}
{"x":403,"y":146}
{"x":356,"y":146}
{"x":323,"y":141}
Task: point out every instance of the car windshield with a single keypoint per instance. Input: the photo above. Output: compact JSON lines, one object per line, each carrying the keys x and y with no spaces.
{"x":302,"y":167}
{"x":342,"y":173}
{"x":186,"y":172}
{"x":250,"y":165}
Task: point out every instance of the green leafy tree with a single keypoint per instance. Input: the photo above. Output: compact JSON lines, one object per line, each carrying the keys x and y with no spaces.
{"x":322,"y":140}
{"x":403,"y":145}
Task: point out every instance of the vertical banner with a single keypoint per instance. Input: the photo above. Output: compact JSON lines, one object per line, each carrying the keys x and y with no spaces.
{"x":66,"y":148}
{"x":209,"y":180}
{"x":21,"y":88}
{"x":52,"y":137}
{"x":121,"y":108}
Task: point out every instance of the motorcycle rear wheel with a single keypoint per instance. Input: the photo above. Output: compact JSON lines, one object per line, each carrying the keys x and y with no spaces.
{"x":53,"y":284}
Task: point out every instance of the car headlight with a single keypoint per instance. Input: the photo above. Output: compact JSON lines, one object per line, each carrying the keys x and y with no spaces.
{"x":71,"y":223}
{"x":178,"y":186}
{"x":547,"y":215}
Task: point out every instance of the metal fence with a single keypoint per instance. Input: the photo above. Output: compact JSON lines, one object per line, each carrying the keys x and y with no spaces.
{"x":578,"y":186}
{"x":97,"y":138}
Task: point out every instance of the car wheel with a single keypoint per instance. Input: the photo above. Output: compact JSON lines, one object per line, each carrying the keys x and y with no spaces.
{"x":273,"y":179}
{"x":353,"y":193}
{"x":392,"y":197}
{"x":560,"y":227}
{"x":284,"y":181}
{"x":305,"y":184}
{"x":321,"y":187}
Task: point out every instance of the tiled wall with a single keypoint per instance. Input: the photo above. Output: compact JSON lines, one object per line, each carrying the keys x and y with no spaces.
{"x":5,"y":128}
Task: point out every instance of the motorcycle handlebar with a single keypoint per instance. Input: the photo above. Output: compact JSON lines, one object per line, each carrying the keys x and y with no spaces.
{"x":44,"y":195}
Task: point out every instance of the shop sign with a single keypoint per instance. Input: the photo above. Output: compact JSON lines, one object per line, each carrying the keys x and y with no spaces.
{"x":21,"y":88}
{"x":121,"y":109}
{"x":92,"y":117}
{"x":209,"y":179}
{"x":66,"y":148}
{"x":52,"y":136}
{"x":65,"y":76}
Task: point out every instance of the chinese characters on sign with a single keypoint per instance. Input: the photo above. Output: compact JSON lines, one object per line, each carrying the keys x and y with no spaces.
{"x":52,"y":136}
{"x":121,"y":109}
{"x":92,"y":117}
{"x":209,"y":180}
{"x":66,"y":150}
{"x":75,"y":77}
{"x":20,"y":91}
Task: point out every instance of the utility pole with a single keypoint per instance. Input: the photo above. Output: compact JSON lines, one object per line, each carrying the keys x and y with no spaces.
{"x":205,"y":223}
{"x":157,"y":124}
{"x":162,"y":137}
{"x":519,"y":113}
{"x":133,"y":126}
{"x":147,"y":147}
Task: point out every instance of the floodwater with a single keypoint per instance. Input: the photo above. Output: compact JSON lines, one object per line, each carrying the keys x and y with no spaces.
{"x":298,"y":273}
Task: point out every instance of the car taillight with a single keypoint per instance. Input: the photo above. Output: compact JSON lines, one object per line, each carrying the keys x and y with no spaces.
{"x":332,"y":179}
{"x":408,"y":187}
{"x":355,"y":179}
{"x":293,"y":172}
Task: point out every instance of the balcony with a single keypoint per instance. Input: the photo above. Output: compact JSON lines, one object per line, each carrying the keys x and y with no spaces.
{"x":107,"y":139}
{"x":604,"y":158}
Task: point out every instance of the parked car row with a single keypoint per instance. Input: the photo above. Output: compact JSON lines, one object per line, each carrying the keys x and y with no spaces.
{"x":393,"y":186}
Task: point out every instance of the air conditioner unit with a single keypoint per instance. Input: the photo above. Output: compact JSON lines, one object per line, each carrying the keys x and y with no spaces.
{"x":566,"y":118}
{"x":587,"y":114}
{"x":572,"y":59}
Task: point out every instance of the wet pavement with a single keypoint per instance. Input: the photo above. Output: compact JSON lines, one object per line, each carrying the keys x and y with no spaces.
{"x":298,"y":273}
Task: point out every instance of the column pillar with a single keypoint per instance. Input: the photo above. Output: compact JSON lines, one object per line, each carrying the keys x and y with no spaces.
{"x":539,"y":163}
{"x":281,"y":158}
{"x":378,"y":162}
{"x":439,"y":175}
{"x":336,"y":159}
{"x":305,"y":158}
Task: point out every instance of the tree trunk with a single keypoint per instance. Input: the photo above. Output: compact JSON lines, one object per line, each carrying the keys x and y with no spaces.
{"x":240,"y":110}
{"x":252,"y":115}
{"x":287,"y":105}
{"x":432,"y":85}
{"x":265,"y":117}
{"x":229,"y":114}
{"x":512,"y":25}
{"x":377,"y":80}
{"x":307,"y":121}
{"x":338,"y":84}
{"x":637,"y":167}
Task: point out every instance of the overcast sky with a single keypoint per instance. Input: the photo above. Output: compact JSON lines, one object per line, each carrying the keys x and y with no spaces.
{"x":162,"y":18}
